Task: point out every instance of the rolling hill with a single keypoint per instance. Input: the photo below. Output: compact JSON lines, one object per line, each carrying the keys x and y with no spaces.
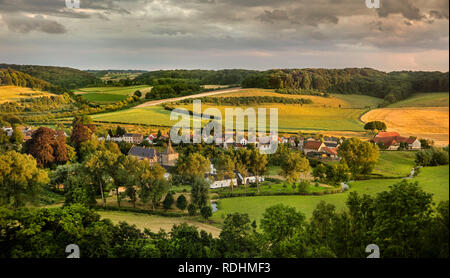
{"x":64,"y":77}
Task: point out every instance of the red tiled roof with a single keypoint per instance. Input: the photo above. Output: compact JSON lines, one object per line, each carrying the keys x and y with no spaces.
{"x":312,"y":145}
{"x":387,"y":134}
{"x":332,"y":151}
{"x":392,"y":140}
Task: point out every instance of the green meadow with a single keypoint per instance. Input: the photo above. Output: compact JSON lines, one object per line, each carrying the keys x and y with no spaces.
{"x":434,"y":180}
{"x":394,"y":164}
{"x":424,"y":100}
{"x":336,"y":113}
{"x":106,"y":95}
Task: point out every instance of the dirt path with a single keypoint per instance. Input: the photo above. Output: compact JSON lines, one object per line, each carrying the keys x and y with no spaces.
{"x":206,"y":94}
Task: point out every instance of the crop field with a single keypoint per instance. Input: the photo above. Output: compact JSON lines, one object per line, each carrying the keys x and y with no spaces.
{"x":294,"y":117}
{"x":155,"y":223}
{"x":424,"y":100}
{"x":431,"y":179}
{"x":105,"y":95}
{"x":290,"y":117}
{"x":14,"y":93}
{"x":323,"y":115}
{"x":334,"y":101}
{"x":422,"y":122}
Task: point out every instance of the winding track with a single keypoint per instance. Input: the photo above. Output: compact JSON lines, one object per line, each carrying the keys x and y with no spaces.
{"x":206,"y":94}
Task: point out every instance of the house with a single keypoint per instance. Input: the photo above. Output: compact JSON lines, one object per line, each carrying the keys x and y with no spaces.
{"x":313,"y":146}
{"x":292,"y":141}
{"x":331,"y":139}
{"x":114,"y":139}
{"x":9,"y":130}
{"x":133,"y":138}
{"x":227,"y":181}
{"x":169,"y":157}
{"x":283,"y":140}
{"x":220,"y":183}
{"x":331,"y":144}
{"x":151,"y":138}
{"x":330,"y":152}
{"x":393,"y":140}
{"x":147,"y":154}
{"x":243,"y":141}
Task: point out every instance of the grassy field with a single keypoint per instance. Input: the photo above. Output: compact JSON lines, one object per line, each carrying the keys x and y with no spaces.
{"x":394,"y":163}
{"x":14,"y":93}
{"x":432,"y":179}
{"x":335,"y":101}
{"x":291,"y":117}
{"x":155,"y":223}
{"x":105,"y":95}
{"x":424,"y":100}
{"x":337,"y":113}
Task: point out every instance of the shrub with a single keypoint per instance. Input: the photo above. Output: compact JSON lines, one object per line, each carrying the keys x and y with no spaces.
{"x":206,"y":212}
{"x":168,"y":201}
{"x":181,"y":202}
{"x":192,"y":210}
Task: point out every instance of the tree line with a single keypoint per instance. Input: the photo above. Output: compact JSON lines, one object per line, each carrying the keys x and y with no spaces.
{"x":393,"y":86}
{"x":204,"y":77}
{"x":250,"y":100}
{"x":402,"y":221}
{"x":63,"y":77}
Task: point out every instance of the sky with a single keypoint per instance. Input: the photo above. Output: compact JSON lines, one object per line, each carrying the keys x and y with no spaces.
{"x":222,"y":34}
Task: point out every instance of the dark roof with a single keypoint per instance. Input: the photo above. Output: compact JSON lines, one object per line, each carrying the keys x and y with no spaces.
{"x":133,"y":135}
{"x":331,"y":144}
{"x":142,"y":152}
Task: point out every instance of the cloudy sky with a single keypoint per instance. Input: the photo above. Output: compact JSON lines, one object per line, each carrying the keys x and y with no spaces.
{"x":217,"y":34}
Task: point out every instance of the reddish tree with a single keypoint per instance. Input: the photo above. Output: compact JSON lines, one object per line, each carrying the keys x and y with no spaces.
{"x":47,"y":147}
{"x":81,"y":133}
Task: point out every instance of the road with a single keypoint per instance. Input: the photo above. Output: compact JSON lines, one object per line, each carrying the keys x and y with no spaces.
{"x":206,"y":94}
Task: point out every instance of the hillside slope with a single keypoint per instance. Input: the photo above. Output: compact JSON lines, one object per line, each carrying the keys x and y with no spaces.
{"x":64,"y":77}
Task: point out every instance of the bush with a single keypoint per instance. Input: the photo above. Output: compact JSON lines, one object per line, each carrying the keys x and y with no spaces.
{"x":432,"y":157}
{"x":192,"y":210}
{"x":168,"y":201}
{"x":303,"y":186}
{"x":206,"y":212}
{"x":181,"y":202}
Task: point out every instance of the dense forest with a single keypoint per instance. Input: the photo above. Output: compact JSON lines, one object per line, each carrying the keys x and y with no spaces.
{"x":391,"y":86}
{"x":64,"y":77}
{"x":204,"y":77}
{"x":16,"y":78}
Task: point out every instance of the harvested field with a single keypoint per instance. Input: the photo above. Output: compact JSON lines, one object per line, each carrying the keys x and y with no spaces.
{"x":422,"y":122}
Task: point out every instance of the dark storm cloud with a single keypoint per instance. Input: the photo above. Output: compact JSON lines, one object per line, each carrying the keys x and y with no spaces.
{"x":404,"y":7}
{"x":254,"y":28}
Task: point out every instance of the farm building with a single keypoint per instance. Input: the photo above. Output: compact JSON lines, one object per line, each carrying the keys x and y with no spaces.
{"x":313,"y":146}
{"x":393,"y":141}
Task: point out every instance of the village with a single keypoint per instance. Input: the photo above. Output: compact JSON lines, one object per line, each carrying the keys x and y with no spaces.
{"x":314,"y":147}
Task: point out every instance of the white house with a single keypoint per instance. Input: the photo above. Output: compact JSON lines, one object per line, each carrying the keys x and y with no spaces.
{"x":9,"y":130}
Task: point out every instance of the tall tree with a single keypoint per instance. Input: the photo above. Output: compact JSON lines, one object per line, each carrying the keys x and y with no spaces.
{"x":258,"y":165}
{"x":20,"y":179}
{"x":293,"y":165}
{"x":47,"y":146}
{"x":360,"y":156}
